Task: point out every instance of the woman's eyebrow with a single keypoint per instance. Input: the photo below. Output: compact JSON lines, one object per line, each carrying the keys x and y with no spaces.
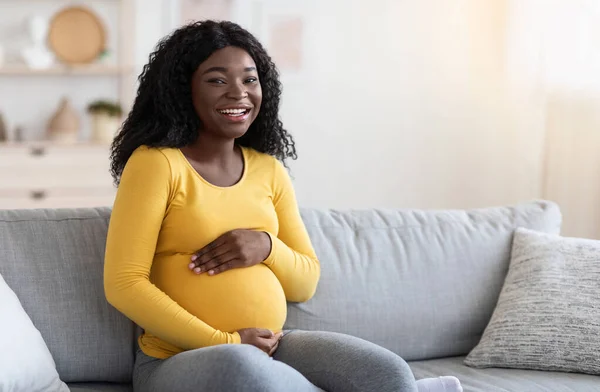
{"x":215,"y":69}
{"x":224,"y":70}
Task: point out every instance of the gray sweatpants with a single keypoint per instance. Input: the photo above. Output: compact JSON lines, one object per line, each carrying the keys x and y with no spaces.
{"x":304,"y":362}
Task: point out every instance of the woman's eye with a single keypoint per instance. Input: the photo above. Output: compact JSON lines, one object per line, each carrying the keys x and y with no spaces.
{"x":251,"y":80}
{"x":216,"y":81}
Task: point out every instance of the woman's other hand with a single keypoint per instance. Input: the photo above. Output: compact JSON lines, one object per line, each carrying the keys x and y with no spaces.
{"x":235,"y":249}
{"x":264,"y":339}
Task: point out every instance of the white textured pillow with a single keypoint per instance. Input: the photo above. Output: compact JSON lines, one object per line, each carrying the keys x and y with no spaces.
{"x":548,"y":313}
{"x":26,"y":364}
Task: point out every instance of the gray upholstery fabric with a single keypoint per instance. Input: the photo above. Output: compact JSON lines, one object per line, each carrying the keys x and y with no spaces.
{"x":422,"y":284}
{"x":53,"y":261}
{"x":548,"y":313}
{"x":100,"y":387}
{"x":505,"y":380}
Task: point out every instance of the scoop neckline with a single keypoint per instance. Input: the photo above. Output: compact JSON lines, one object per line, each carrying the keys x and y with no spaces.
{"x":210,"y":184}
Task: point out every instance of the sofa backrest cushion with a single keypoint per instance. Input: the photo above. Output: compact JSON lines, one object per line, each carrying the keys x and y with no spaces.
{"x":53,"y":260}
{"x":421,"y":283}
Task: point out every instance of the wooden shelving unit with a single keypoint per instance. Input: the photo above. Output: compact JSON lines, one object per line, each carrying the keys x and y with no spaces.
{"x":46,"y":174}
{"x":121,"y":71}
{"x":60,"y":70}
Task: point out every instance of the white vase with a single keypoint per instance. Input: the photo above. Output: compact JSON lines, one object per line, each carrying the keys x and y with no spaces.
{"x":104,"y":127}
{"x":37,"y":56}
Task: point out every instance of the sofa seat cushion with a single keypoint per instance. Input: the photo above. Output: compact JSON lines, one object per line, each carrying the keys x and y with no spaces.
{"x":99,"y":387}
{"x":505,"y":380}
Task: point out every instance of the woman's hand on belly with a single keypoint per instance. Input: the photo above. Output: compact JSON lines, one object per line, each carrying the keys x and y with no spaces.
{"x":235,"y":249}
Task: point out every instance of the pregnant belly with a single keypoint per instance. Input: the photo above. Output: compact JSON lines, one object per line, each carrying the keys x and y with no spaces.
{"x":239,"y":298}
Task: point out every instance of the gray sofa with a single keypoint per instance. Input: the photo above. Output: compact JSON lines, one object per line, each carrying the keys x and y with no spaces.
{"x":420,"y":283}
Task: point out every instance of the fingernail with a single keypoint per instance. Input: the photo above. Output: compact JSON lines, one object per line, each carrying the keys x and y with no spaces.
{"x":191,"y":265}
{"x":211,"y":272}
{"x":194,"y":257}
{"x":197,"y":270}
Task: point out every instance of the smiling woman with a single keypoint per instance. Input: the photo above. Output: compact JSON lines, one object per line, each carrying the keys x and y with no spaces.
{"x":206,"y":242}
{"x":226,"y":92}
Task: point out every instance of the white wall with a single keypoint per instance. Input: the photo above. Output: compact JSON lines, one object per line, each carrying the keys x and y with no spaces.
{"x":568,"y":64}
{"x":152,"y":22}
{"x":403,"y":104}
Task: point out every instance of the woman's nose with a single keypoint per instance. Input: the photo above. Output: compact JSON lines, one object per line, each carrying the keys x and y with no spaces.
{"x":237,"y":91}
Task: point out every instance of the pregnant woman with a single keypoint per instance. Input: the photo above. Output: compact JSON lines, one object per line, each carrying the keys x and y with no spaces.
{"x":206,"y":244}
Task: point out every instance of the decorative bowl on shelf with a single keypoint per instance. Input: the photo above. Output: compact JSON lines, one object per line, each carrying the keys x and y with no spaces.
{"x":77,"y":35}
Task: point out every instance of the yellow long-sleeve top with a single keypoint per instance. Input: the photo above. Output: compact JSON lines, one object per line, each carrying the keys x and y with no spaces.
{"x":164,"y":212}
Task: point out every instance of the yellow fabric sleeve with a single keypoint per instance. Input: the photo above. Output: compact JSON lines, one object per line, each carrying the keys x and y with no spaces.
{"x":140,"y":206}
{"x":292,"y":258}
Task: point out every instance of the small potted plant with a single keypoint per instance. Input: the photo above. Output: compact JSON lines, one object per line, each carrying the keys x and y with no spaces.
{"x":106,"y":120}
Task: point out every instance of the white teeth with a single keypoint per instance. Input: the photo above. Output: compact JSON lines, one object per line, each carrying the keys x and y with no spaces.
{"x":237,"y":112}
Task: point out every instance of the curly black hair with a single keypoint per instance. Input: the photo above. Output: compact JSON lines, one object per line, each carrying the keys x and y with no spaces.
{"x":163,"y":114}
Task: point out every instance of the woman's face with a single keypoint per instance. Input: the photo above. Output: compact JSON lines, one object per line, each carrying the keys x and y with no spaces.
{"x":226,"y":92}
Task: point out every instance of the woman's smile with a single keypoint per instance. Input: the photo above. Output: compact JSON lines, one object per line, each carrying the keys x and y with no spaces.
{"x":236,"y":113}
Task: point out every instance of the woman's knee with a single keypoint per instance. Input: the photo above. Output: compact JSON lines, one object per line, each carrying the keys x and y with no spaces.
{"x":359,"y":364}
{"x":383,"y":370}
{"x":395,"y":367}
{"x":389,"y":372}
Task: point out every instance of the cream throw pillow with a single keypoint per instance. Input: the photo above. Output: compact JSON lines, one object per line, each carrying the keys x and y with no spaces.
{"x":548,"y":313}
{"x":26,"y":364}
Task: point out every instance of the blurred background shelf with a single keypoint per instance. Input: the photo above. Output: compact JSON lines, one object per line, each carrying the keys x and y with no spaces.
{"x":84,"y":70}
{"x":32,"y":96}
{"x":50,"y":144}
